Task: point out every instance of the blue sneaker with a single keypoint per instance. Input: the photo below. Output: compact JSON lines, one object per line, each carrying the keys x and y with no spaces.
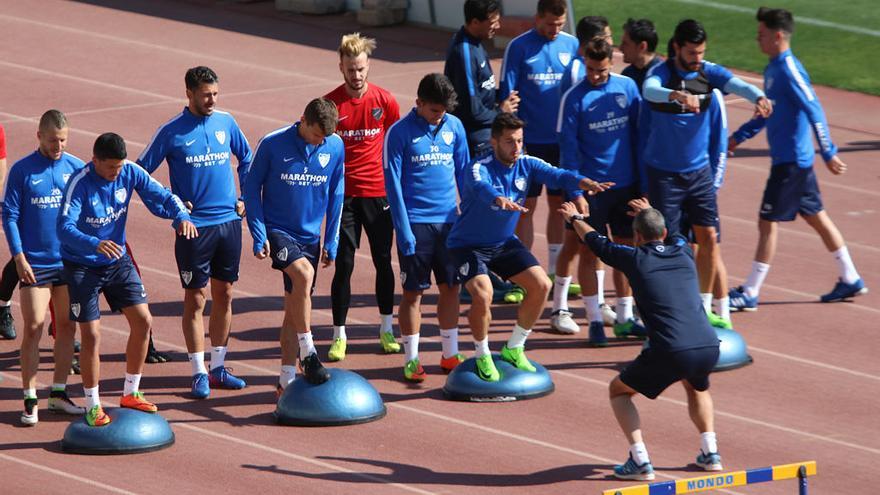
{"x":710,"y":462}
{"x":222,"y":378}
{"x":630,"y":328}
{"x":739,"y":301}
{"x":597,"y":334}
{"x":629,"y":470}
{"x":200,"y":388}
{"x":843,"y":290}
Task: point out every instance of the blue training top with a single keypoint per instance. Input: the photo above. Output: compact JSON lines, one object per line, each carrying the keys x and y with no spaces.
{"x":292,"y":185}
{"x":198,"y":151}
{"x":31,"y":206}
{"x":574,"y":73}
{"x":468,"y":67}
{"x":422,"y":163}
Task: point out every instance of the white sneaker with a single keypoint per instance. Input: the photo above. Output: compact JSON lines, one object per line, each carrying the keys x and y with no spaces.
{"x":562,"y":322}
{"x":609,"y":317}
{"x":59,"y":402}
{"x":29,"y":416}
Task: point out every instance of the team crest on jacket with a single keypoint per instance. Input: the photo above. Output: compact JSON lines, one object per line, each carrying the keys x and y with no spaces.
{"x":377,"y":113}
{"x":621,"y":100}
{"x":323,"y":159}
{"x":520,"y":183}
{"x":565,"y":58}
{"x":221,"y":136}
{"x":447,"y":137}
{"x":121,"y":194}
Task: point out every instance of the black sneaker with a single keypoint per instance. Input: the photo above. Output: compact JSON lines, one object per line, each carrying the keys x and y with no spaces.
{"x":313,"y":371}
{"x":154,"y":356}
{"x":76,"y":346}
{"x":7,"y":323}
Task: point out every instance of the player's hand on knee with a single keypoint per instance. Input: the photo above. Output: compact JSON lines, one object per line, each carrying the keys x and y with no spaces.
{"x":109,"y":249}
{"x":836,"y":165}
{"x":187,"y":229}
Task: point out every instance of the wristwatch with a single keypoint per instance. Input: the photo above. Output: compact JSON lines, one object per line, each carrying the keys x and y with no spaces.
{"x":577,"y":217}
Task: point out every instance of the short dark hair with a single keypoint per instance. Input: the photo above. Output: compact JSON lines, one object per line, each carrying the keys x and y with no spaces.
{"x":776,"y":19}
{"x":589,"y":27}
{"x":553,"y":7}
{"x":599,"y":49}
{"x":650,"y":224}
{"x":640,"y":30}
{"x":480,"y":9}
{"x":689,"y":31}
{"x":197,"y":76}
{"x":109,"y":146}
{"x":322,"y":112}
{"x":437,"y":88}
{"x":53,"y":120}
{"x":505,"y":121}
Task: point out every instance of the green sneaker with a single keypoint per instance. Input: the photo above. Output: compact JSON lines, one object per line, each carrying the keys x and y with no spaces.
{"x":719,"y":322}
{"x":389,"y":345}
{"x":337,"y":350}
{"x":629,"y":328}
{"x":486,"y":369}
{"x":574,"y":290}
{"x":517,"y":357}
{"x":97,"y":417}
{"x":515,"y":295}
{"x":413,"y":371}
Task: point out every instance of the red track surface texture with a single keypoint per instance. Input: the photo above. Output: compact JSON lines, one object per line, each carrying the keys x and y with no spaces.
{"x":811,"y":394}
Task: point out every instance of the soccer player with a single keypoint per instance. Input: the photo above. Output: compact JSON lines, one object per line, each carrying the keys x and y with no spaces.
{"x":683,"y":347}
{"x":197,"y":144}
{"x":91,"y":228}
{"x":295,"y":181}
{"x":30,"y":215}
{"x":792,"y":188}
{"x":639,"y":45}
{"x":482,"y":238}
{"x":598,"y":136}
{"x":425,"y":154}
{"x":366,"y":111}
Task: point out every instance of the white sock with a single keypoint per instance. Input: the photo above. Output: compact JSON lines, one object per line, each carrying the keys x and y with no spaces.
{"x":624,"y":309}
{"x":288,"y":373}
{"x":600,"y":279}
{"x":845,"y":264}
{"x":592,"y":305}
{"x":92,"y":398}
{"x":339,"y":332}
{"x":481,"y":347}
{"x":449,"y":341}
{"x":218,"y":356}
{"x":708,"y":443}
{"x":410,"y":346}
{"x":197,"y":362}
{"x":30,"y":393}
{"x":132,"y":384}
{"x":552,"y":256}
{"x":722,"y":307}
{"x":706,"y":297}
{"x":6,"y":304}
{"x":385,"y":324}
{"x":306,"y":345}
{"x":59,"y":387}
{"x":560,"y":293}
{"x":518,"y":337}
{"x":756,"y":278}
{"x":639,"y":453}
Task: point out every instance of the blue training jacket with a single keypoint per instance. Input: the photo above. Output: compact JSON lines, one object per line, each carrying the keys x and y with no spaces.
{"x":574,"y":73}
{"x":31,"y":206}
{"x":468,"y":67}
{"x":95,"y":209}
{"x":292,"y":185}
{"x":198,"y":151}
{"x":422,"y":165}
{"x":796,"y":111}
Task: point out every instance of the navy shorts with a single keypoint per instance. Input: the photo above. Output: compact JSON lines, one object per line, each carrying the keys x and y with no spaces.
{"x":284,"y":250}
{"x":46,"y":276}
{"x":215,"y":253}
{"x":692,"y":193}
{"x":478,"y":142}
{"x":790,"y":190}
{"x":505,"y":260}
{"x":653,"y":371}
{"x":610,"y":209}
{"x":119,"y":282}
{"x":431,"y":255}
{"x":549,"y":153}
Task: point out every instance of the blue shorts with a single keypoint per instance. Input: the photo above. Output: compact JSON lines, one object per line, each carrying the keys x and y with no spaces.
{"x":790,"y":190}
{"x":215,"y":253}
{"x":610,"y":209}
{"x":478,"y":142}
{"x":505,"y":260}
{"x":431,"y":255}
{"x":653,"y":371}
{"x":549,"y":153}
{"x":119,"y":282}
{"x":284,"y":250}
{"x":46,"y":276}
{"x":692,"y":193}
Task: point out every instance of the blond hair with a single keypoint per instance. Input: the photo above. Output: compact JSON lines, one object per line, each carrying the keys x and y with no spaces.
{"x":354,"y":44}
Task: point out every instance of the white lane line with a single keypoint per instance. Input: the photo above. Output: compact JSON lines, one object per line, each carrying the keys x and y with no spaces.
{"x":765,"y":170}
{"x":811,"y":362}
{"x":798,"y":233}
{"x":65,"y":474}
{"x":814,"y":297}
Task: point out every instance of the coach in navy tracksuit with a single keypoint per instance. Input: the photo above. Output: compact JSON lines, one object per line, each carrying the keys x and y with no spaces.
{"x":683,"y":347}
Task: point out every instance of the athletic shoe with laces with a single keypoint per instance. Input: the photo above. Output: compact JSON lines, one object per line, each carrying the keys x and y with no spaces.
{"x":517,"y":357}
{"x":597,"y":335}
{"x":740,"y":301}
{"x":629,"y":470}
{"x":448,"y":364}
{"x":561,"y":320}
{"x":843,"y":290}
{"x":7,"y":323}
{"x":337,"y":349}
{"x":222,"y":377}
{"x":59,"y":402}
{"x":609,"y":317}
{"x":313,"y":371}
{"x":719,"y":322}
{"x":515,"y":295}
{"x":30,"y":415}
{"x":709,"y":462}
{"x":74,"y":366}
{"x":136,"y":400}
{"x":200,"y":387}
{"x":97,"y":417}
{"x":486,"y":369}
{"x":630,"y":328}
{"x":389,"y":344}
{"x":154,"y":356}
{"x":413,"y":371}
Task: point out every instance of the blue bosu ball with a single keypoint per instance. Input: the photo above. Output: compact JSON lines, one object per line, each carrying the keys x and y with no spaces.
{"x":345,"y":399}
{"x":129,"y":432}
{"x":463,"y":383}
{"x":733,"y":352}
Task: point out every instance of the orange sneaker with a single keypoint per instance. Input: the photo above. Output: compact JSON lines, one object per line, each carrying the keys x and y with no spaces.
{"x":97,"y":417}
{"x":448,"y":364}
{"x":413,"y":371}
{"x":136,"y":401}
